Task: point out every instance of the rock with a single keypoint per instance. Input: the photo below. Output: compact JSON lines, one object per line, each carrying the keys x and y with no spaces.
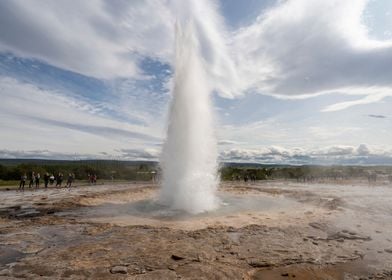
{"x":284,"y":274}
{"x":40,"y":203}
{"x":177,"y":258}
{"x":344,"y":234}
{"x":172,"y":267}
{"x":317,"y":226}
{"x":158,"y":275}
{"x":231,"y":229}
{"x":258,"y":263}
{"x":4,"y":272}
{"x":28,"y":213}
{"x":203,"y":256}
{"x":119,"y":269}
{"x":33,"y":249}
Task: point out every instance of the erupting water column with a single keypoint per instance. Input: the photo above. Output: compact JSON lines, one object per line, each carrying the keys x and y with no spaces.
{"x":189,"y":156}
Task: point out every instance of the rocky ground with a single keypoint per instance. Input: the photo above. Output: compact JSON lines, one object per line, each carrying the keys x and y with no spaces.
{"x":318,"y":231}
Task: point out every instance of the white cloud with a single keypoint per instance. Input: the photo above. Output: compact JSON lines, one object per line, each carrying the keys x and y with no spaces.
{"x":329,"y":155}
{"x":34,"y":119}
{"x":362,"y":155}
{"x":97,"y":38}
{"x":119,"y":154}
{"x":44,"y":154}
{"x":296,"y":49}
{"x":105,"y":39}
{"x":269,"y":130}
{"x":372,"y":95}
{"x":228,"y":142}
{"x":304,"y":48}
{"x":136,"y":154}
{"x":332,"y":132}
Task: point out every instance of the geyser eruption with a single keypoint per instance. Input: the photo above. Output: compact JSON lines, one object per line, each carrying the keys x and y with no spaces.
{"x":189,"y":156}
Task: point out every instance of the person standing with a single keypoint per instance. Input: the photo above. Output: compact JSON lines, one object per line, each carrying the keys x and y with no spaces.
{"x":32,"y":180}
{"x":51,"y":179}
{"x":46,"y":180}
{"x":37,"y":178}
{"x":22,"y":183}
{"x":70,"y":180}
{"x":59,"y":180}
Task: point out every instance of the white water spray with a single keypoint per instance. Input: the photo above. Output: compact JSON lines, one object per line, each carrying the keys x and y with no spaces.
{"x":189,"y":156}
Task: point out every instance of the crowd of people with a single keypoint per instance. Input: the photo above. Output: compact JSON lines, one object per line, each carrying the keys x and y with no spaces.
{"x":92,"y":179}
{"x":246,"y":178}
{"x":48,"y":179}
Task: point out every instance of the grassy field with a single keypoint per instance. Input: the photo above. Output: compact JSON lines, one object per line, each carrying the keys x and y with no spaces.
{"x":11,"y":183}
{"x":14,"y":184}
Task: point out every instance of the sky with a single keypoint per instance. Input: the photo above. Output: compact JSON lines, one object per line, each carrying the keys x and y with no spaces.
{"x":295,"y":81}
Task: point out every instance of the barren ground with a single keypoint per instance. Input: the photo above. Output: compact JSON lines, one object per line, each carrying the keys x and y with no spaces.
{"x":270,"y":230}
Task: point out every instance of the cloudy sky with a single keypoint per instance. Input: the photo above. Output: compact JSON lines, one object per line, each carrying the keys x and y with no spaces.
{"x":295,"y":81}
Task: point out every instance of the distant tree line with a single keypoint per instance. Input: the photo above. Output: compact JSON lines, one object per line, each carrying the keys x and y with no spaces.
{"x":305,"y":173}
{"x":103,"y":169}
{"x":145,"y":171}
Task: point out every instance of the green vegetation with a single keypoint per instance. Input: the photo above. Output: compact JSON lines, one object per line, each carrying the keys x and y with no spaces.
{"x":303,"y":173}
{"x":8,"y":183}
{"x":104,"y":169}
{"x":11,"y":170}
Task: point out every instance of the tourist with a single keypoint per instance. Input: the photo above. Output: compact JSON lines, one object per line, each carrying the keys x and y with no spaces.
{"x":37,"y":177}
{"x":32,"y":180}
{"x":51,"y":179}
{"x":22,"y":183}
{"x":46,"y":179}
{"x":94,"y":179}
{"x":59,"y":180}
{"x":70,"y":180}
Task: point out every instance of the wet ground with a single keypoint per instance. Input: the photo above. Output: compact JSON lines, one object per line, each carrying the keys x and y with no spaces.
{"x":266,"y":230}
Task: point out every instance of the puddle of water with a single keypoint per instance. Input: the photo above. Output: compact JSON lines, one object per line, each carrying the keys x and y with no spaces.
{"x":151,"y":209}
{"x":9,"y":255}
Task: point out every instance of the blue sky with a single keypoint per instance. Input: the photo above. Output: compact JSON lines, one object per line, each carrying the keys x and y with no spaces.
{"x":295,"y":81}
